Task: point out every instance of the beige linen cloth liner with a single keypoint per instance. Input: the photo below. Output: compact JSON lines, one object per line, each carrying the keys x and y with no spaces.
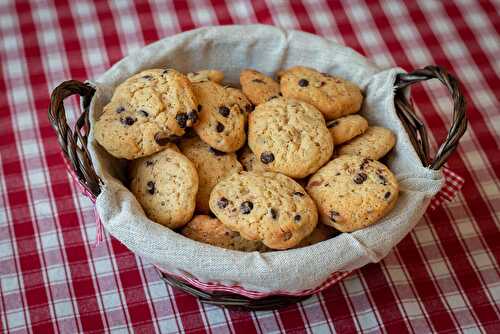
{"x":267,"y":49}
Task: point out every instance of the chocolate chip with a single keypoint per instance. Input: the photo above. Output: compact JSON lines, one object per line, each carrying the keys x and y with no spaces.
{"x":258,"y":81}
{"x":387,"y":195}
{"x":303,"y":83}
{"x":334,"y":216}
{"x":222,"y":202}
{"x":151,"y":187}
{"x":224,"y":111}
{"x":199,"y":107}
{"x":280,"y":94}
{"x":219,"y":127}
{"x":297,"y":218}
{"x":181,"y":119}
{"x":161,"y":139}
{"x":287,"y":235}
{"x":149,"y":163}
{"x":322,"y":83}
{"x":332,"y":124}
{"x":144,"y":113}
{"x":382,"y":178}
{"x":119,"y":110}
{"x":165,"y":71}
{"x":147,"y":77}
{"x":249,"y":108}
{"x":128,"y":120}
{"x":193,"y":116}
{"x":267,"y":157}
{"x":365,"y":162}
{"x":274,"y":213}
{"x":359,"y":178}
{"x":246,"y":207}
{"x":216,"y":152}
{"x":298,"y":193}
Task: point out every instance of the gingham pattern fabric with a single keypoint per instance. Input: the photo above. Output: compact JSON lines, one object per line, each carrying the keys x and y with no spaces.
{"x":443,"y":277}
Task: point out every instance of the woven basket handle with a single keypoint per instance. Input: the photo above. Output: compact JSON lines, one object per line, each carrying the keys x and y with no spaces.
{"x":414,"y":126}
{"x":74,"y":143}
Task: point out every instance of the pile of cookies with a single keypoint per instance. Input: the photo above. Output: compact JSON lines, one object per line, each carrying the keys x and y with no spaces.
{"x":271,"y":166}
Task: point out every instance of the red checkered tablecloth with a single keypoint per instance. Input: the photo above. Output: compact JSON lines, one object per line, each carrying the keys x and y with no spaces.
{"x":443,"y":277}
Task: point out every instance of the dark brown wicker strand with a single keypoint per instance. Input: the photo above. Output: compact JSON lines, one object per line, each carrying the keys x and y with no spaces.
{"x":74,"y":147}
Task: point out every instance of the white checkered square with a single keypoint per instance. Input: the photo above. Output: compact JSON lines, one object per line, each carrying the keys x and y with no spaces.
{"x":10,"y":43}
{"x":6,"y":22}
{"x":204,"y":16}
{"x":36,"y":178}
{"x":168,"y":325}
{"x":49,"y":37}
{"x":15,"y":319}
{"x":14,"y":68}
{"x":5,"y":249}
{"x":353,"y":285}
{"x":103,"y":266}
{"x":424,"y":235}
{"x":396,"y":274}
{"x":56,"y":274}
{"x":111,"y":300}
{"x":45,"y":14}
{"x":439,"y":268}
{"x":412,"y":308}
{"x":63,"y":309}
{"x":455,"y":300}
{"x":9,"y":283}
{"x":455,"y":49}
{"x":49,"y":240}
{"x":82,"y":8}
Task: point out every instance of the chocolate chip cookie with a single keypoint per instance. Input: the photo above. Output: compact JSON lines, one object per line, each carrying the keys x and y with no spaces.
{"x":206,"y":75}
{"x":345,"y":128}
{"x":211,"y":231}
{"x":212,"y":166}
{"x":268,"y":207}
{"x":222,"y":116}
{"x":333,"y":96}
{"x":146,"y":111}
{"x":258,"y":87}
{"x":374,"y":143}
{"x":165,"y":184}
{"x":353,"y":192}
{"x":289,"y":136}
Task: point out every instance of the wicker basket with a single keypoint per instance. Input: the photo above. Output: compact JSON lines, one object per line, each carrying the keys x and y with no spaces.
{"x":74,"y":146}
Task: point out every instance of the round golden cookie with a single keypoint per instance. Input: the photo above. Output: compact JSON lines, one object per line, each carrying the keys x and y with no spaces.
{"x":249,"y":161}
{"x":165,"y":184}
{"x":374,"y":143}
{"x":206,"y":75}
{"x":211,"y":231}
{"x":212,"y":166}
{"x":353,"y":192}
{"x":269,"y":207}
{"x":146,"y":111}
{"x":333,"y":96}
{"x":289,"y":136}
{"x":345,"y":128}
{"x":258,"y":87}
{"x":222,"y":118}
